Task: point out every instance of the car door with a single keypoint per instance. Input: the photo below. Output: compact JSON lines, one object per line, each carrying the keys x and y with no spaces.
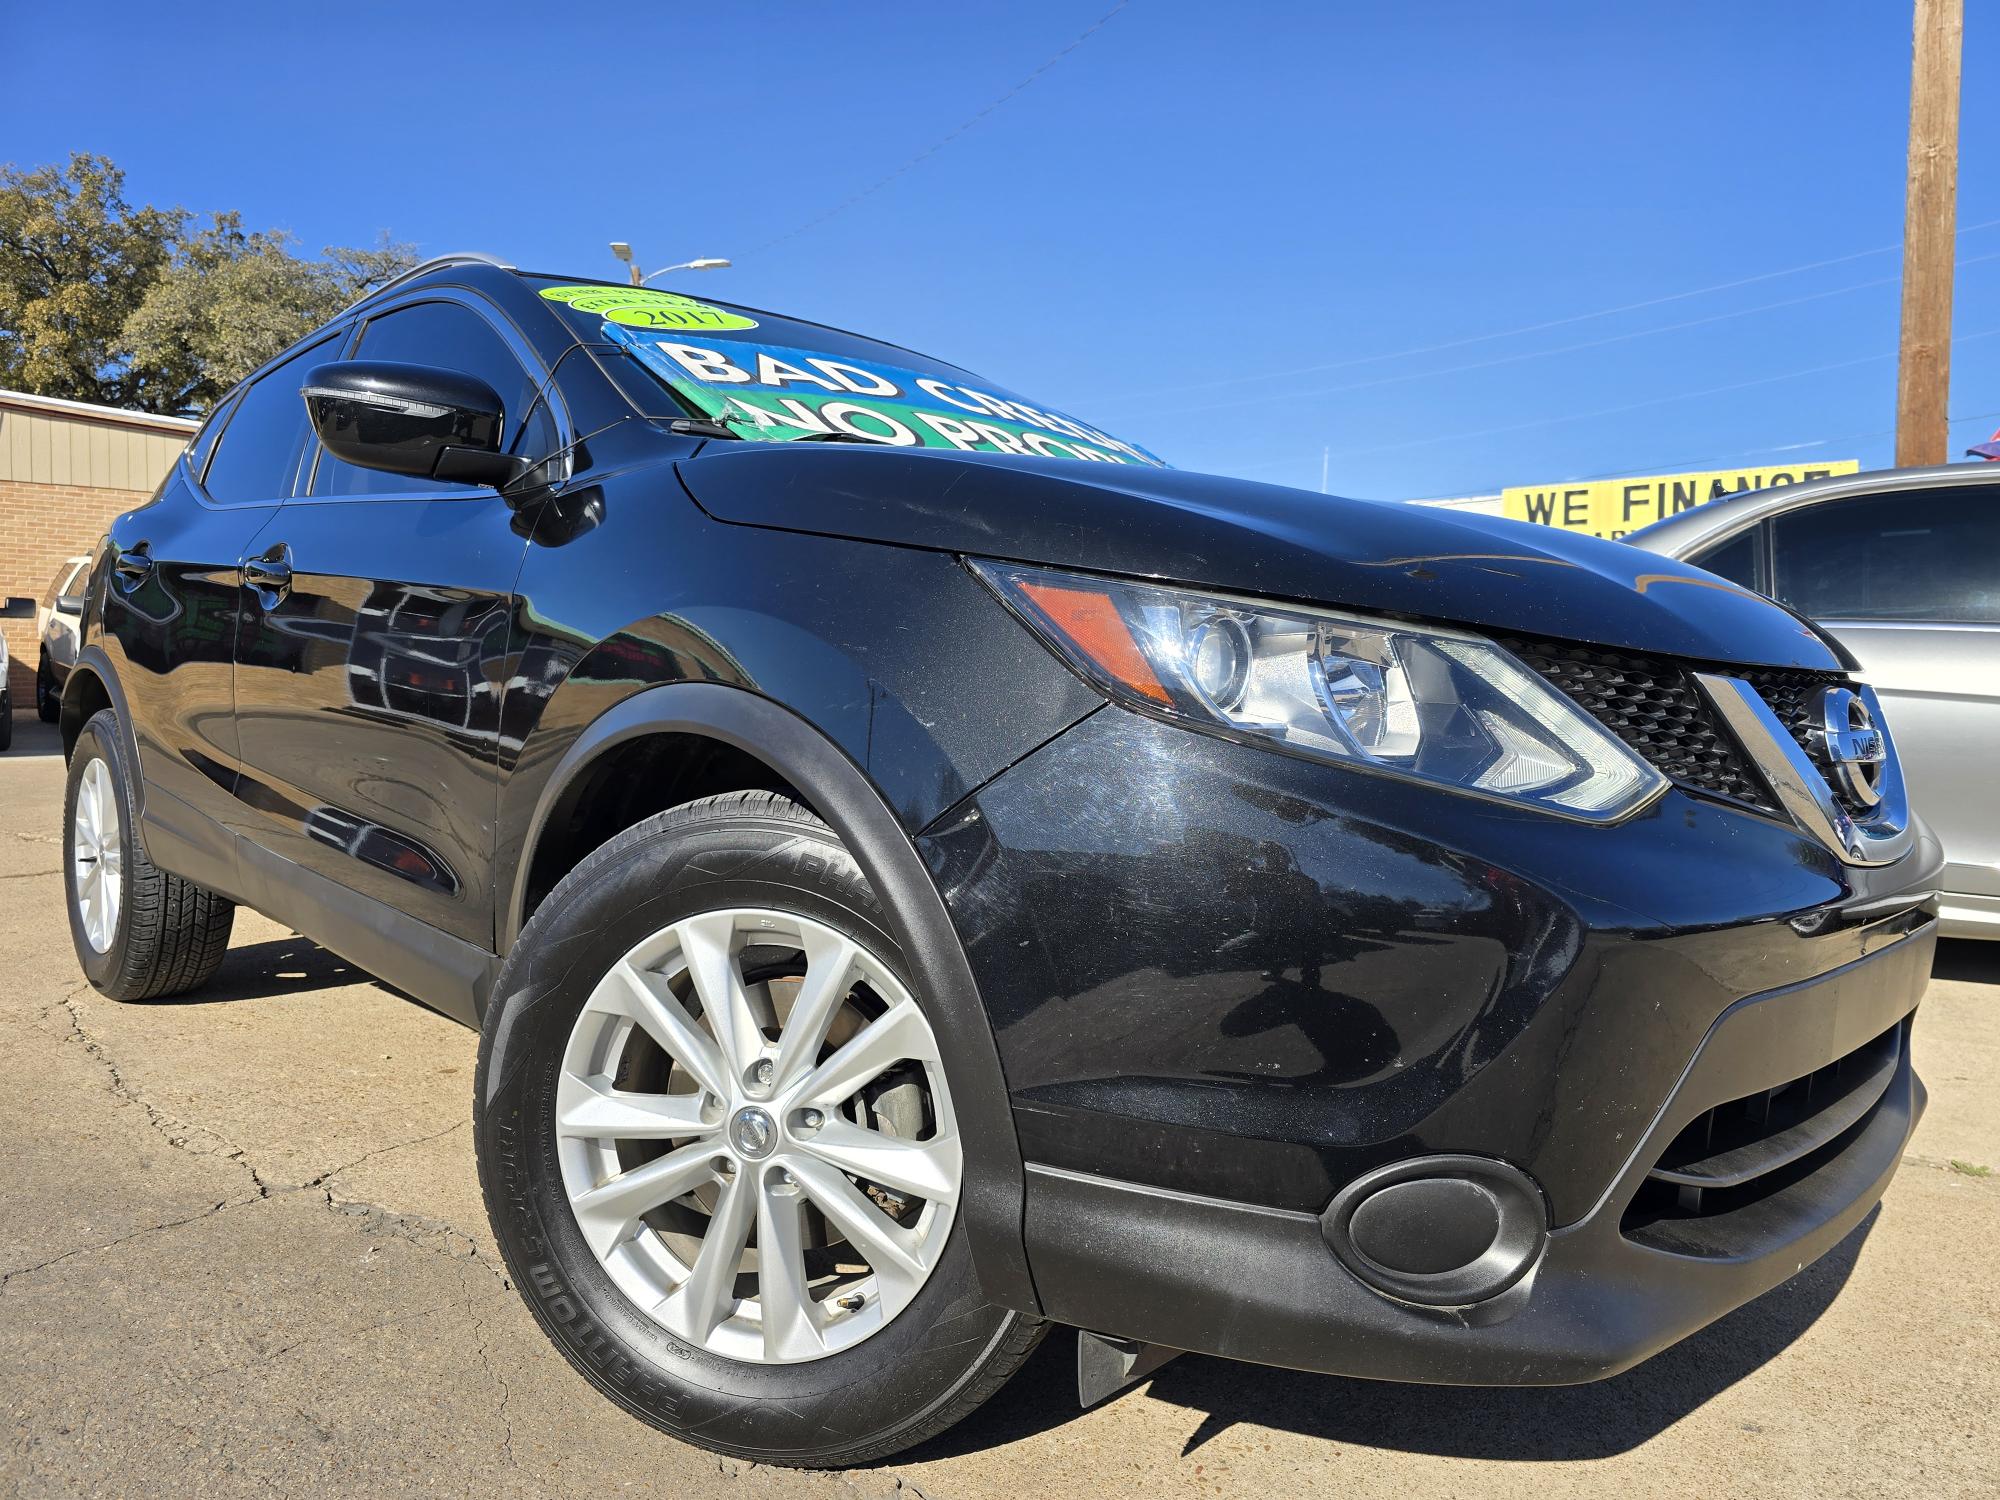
{"x":1910,"y":583}
{"x":376,"y":649}
{"x":170,"y":597}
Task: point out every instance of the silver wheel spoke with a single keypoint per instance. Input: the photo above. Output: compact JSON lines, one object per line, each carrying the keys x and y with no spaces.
{"x":649,"y":1001}
{"x":829,"y":967}
{"x":607,"y":1213}
{"x":593,"y":1108}
{"x":900,"y":1034}
{"x":709,"y":1293}
{"x":784,"y":1296}
{"x":926,"y":1169}
{"x":890,"y":1250}
{"x":707,"y":945}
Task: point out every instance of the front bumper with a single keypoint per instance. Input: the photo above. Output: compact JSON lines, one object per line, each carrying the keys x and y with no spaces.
{"x":1226,"y":983}
{"x":1257,"y":1284}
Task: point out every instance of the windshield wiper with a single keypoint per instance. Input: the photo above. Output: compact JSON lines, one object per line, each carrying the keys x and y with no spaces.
{"x":701,"y":427}
{"x":717,"y":428}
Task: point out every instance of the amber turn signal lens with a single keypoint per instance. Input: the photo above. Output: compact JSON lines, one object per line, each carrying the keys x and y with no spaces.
{"x":1091,"y":621}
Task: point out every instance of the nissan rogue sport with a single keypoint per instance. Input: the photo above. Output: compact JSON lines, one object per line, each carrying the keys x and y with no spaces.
{"x":924,"y":871}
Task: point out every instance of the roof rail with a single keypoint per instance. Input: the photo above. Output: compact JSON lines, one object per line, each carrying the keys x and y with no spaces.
{"x":462,"y":257}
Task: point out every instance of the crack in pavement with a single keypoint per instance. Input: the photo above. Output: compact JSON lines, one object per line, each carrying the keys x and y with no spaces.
{"x":177,"y":1133}
{"x":493,"y":1374}
{"x":206,"y":1213}
{"x":181,"y":1135}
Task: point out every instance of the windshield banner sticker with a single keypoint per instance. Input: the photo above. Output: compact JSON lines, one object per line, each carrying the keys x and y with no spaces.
{"x":641,"y":307}
{"x":778,"y":394}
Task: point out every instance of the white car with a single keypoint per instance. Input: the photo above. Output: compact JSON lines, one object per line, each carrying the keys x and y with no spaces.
{"x":56,"y":619}
{"x":6,"y":700}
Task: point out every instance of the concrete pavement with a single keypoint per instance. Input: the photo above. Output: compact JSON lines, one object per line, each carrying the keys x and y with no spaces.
{"x":242,"y":1251}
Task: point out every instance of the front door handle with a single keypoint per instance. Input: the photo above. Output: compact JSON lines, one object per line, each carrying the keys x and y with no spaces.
{"x":270,"y":575}
{"x":134,"y":564}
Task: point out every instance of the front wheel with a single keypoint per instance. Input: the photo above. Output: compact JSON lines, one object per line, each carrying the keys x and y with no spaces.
{"x":718,"y":1148}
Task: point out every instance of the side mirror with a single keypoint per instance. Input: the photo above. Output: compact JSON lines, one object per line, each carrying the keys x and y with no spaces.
{"x":68,"y":604}
{"x":15,"y":607}
{"x":411,"y":419}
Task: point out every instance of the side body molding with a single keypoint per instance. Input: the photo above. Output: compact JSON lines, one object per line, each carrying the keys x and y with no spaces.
{"x":843,"y":795}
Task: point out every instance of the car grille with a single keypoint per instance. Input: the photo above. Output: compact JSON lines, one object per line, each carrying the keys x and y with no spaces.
{"x":1653,"y":705}
{"x":1704,"y":1192}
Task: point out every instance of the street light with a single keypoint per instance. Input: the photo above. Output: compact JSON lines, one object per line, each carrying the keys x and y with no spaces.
{"x":624,"y":252}
{"x":708,"y":264}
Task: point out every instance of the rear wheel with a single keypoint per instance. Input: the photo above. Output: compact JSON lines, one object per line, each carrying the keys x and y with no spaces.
{"x":140,"y":933}
{"x":48,"y":702}
{"x":718,"y":1146}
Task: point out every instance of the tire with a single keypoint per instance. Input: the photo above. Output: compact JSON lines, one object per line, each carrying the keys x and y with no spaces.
{"x":167,"y":935}
{"x":48,"y":702}
{"x":920,"y":1369}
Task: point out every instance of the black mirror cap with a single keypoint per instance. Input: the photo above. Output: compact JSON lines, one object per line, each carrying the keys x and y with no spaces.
{"x":406,"y":419}
{"x":17,"y":607}
{"x":68,"y":604}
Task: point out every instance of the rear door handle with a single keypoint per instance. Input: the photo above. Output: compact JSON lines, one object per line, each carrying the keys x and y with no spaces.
{"x":271,"y":574}
{"x":134,"y":564}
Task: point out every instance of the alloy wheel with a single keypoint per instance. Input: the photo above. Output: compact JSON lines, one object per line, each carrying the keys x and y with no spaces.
{"x":97,"y":853}
{"x":755,"y":1135}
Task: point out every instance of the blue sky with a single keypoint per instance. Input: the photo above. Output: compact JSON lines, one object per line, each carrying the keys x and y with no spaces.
{"x":1219,"y":232}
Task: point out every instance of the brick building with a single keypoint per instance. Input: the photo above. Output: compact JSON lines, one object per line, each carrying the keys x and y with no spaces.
{"x":67,"y":468}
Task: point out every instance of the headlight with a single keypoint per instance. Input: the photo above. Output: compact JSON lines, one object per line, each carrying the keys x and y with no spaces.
{"x":1436,"y":705}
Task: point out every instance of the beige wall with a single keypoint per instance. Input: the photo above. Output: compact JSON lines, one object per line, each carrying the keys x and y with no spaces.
{"x":56,"y":448}
{"x":64,"y":474}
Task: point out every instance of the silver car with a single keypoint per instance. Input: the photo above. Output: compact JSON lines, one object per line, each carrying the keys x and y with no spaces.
{"x":56,"y":619}
{"x":1903,"y":566}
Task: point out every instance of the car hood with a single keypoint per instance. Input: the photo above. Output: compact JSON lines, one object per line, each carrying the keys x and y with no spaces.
{"x":1234,"y":535}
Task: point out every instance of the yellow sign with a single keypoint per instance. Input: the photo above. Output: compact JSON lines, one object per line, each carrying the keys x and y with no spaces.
{"x":1612,"y":507}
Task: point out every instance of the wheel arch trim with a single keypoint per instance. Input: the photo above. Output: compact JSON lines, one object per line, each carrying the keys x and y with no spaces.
{"x":92,"y":664}
{"x":992,"y":1200}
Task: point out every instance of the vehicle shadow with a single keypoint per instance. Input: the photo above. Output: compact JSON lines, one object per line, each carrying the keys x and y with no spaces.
{"x":1969,"y":959}
{"x":271,"y":970}
{"x":1526,"y":1425}
{"x":32,"y":738}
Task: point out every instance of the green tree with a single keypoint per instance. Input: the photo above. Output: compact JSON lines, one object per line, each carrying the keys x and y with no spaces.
{"x":76,"y":260}
{"x":144,"y":308}
{"x":231,"y":299}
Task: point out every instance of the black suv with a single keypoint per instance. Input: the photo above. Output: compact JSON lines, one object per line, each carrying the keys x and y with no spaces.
{"x":924,"y":870}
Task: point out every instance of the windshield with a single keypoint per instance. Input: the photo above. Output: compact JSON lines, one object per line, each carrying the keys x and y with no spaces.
{"x":777,"y":380}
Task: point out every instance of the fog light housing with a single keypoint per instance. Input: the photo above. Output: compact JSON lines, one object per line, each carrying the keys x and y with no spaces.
{"x":1439,"y":1231}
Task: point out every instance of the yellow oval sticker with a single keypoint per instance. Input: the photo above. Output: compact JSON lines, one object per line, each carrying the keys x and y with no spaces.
{"x":642,"y":307}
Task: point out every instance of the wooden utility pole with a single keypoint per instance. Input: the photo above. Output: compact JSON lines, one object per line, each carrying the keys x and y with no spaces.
{"x":1930,"y":236}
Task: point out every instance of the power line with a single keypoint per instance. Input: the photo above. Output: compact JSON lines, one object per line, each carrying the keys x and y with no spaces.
{"x":1668,"y":466}
{"x":932,"y":150}
{"x":1533,"y":354}
{"x":1612,"y":411}
{"x":1508,"y":333}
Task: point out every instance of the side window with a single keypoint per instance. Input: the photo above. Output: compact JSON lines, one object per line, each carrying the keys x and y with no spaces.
{"x":204,"y":440}
{"x":1735,"y":559}
{"x":1931,"y":555}
{"x":257,"y":456}
{"x":450,"y":336}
